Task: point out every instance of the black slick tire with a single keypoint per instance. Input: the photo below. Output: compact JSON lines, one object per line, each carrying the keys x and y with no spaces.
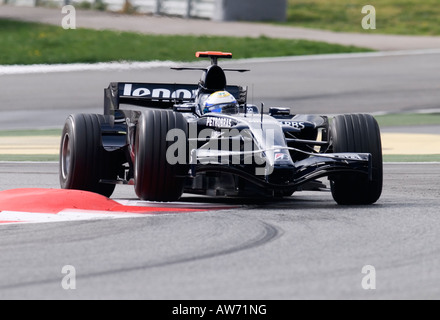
{"x":83,"y":160}
{"x":357,"y":133}
{"x":155,"y":178}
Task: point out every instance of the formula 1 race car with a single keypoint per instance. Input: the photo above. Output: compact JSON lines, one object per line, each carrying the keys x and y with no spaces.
{"x":170,"y":139}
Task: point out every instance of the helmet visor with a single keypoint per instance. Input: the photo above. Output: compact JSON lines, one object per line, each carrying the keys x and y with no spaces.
{"x":222,"y":108}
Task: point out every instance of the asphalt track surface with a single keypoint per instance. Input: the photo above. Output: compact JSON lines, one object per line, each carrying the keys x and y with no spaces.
{"x":305,"y":247}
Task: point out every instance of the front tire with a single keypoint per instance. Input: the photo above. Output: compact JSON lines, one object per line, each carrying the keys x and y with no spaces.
{"x":83,"y":159}
{"x":155,"y":178}
{"x":358,"y":134}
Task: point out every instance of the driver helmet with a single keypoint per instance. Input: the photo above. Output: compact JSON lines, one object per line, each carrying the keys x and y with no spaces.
{"x":221,"y":102}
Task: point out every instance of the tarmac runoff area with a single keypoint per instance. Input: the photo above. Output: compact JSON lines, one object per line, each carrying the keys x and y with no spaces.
{"x":392,"y":144}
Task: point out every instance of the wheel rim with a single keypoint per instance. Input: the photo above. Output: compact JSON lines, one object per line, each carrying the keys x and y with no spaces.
{"x":66,"y":157}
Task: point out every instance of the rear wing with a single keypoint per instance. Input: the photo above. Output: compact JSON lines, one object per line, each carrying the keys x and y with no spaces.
{"x":157,"y":95}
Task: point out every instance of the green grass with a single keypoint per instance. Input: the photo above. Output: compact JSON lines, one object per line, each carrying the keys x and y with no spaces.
{"x":408,"y":119}
{"x":31,"y":133}
{"x":412,"y":17}
{"x":33,"y":43}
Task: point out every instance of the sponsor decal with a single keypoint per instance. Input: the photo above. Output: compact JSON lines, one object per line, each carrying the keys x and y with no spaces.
{"x":131,"y":90}
{"x":218,"y":122}
{"x":281,"y":156}
{"x":348,"y":156}
{"x":294,"y":124}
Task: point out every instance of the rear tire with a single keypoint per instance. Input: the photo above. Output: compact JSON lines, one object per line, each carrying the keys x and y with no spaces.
{"x":359,"y":134}
{"x":155,"y":178}
{"x":83,"y":159}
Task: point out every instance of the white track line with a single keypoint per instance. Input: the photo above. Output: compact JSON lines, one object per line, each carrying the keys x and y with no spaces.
{"x":12,"y":217}
{"x":112,"y":66}
{"x":126,"y":66}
